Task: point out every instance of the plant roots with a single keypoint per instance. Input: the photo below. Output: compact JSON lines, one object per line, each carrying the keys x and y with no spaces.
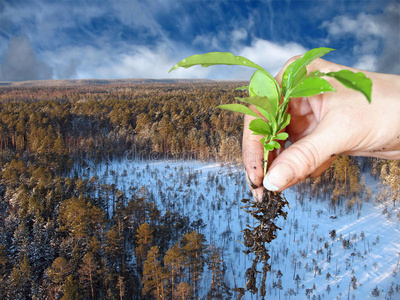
{"x":256,"y":238}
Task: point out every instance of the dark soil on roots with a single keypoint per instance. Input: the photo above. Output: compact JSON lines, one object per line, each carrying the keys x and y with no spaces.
{"x":256,"y":238}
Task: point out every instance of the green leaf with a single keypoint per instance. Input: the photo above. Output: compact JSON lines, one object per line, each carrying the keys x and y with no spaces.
{"x":238,"y":108}
{"x":259,"y":102}
{"x":356,"y":81}
{"x":285,"y":77}
{"x":291,"y":71}
{"x":285,"y":122}
{"x":311,"y":86}
{"x":300,"y":76}
{"x":316,"y":74}
{"x":262,"y":84}
{"x":266,"y":115}
{"x":260,"y":126}
{"x":242,"y":88}
{"x":282,"y":136}
{"x":271,"y":145}
{"x":215,"y":58}
{"x":310,"y":55}
{"x":275,"y":144}
{"x":274,"y":127}
{"x":262,"y":104}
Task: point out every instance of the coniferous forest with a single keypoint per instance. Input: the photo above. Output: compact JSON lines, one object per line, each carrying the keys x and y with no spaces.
{"x":67,"y":236}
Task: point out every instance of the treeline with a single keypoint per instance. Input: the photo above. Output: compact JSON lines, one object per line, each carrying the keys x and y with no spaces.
{"x":341,"y":182}
{"x":62,"y":237}
{"x":345,"y":183}
{"x":106,"y":121}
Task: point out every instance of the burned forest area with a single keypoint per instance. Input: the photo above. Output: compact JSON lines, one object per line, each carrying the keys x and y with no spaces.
{"x":133,"y":190}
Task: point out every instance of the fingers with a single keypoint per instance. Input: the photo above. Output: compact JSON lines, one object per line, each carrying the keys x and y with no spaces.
{"x":313,"y":151}
{"x":321,"y":169}
{"x":309,"y":156}
{"x":253,"y":155}
{"x":257,"y":191}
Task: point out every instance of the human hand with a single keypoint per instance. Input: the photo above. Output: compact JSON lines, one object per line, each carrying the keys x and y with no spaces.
{"x":324,"y":126}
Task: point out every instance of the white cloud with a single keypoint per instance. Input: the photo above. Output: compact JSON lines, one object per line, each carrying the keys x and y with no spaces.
{"x":68,"y":39}
{"x":366,"y":62}
{"x":363,"y":26}
{"x":208,"y":41}
{"x":376,"y":38}
{"x":144,"y":63}
{"x":124,"y":61}
{"x":239,"y":35}
{"x":106,"y":57}
{"x":269,"y":55}
{"x":221,"y":40}
{"x":131,"y":61}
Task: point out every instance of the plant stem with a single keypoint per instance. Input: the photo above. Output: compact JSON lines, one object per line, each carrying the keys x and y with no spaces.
{"x":266,"y":154}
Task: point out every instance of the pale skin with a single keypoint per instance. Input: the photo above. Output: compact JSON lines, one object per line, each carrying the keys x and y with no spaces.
{"x":324,"y":126}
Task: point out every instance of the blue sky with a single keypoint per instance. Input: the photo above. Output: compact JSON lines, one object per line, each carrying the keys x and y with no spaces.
{"x":144,"y":39}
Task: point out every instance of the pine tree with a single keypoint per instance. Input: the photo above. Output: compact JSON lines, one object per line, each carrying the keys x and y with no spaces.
{"x":114,"y":248}
{"x":12,"y":172}
{"x":154,"y":275}
{"x":71,"y":289}
{"x":20,"y":281}
{"x":59,"y":147}
{"x":391,"y":179}
{"x":174,"y":262}
{"x":391,"y":292}
{"x":194,"y":246}
{"x":375,"y":292}
{"x":298,"y":280}
{"x":346,"y":177}
{"x":88,"y":274}
{"x":183,"y":291}
{"x":80,"y":218}
{"x":121,"y":287}
{"x":279,"y":287}
{"x":218,"y":289}
{"x":57,"y":273}
{"x":144,"y":241}
{"x":60,"y":153}
{"x":223,"y":148}
{"x":3,"y":259}
{"x":3,"y":271}
{"x":290,"y":292}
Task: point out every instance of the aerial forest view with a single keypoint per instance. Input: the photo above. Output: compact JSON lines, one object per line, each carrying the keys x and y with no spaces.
{"x":133,"y":190}
{"x":200,"y":150}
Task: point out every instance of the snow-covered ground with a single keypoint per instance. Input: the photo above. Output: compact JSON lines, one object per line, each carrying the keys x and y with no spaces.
{"x":366,"y":246}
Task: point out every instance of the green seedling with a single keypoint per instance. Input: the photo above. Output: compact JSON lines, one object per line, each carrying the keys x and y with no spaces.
{"x":269,"y":108}
{"x":272,"y":100}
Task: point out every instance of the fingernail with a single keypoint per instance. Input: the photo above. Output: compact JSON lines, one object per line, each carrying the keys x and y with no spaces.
{"x":279,"y":177}
{"x":258,"y":195}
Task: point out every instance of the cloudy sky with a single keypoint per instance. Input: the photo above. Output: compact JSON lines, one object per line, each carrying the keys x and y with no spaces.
{"x":76,"y":39}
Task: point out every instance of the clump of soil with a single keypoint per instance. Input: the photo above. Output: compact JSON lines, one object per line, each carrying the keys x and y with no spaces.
{"x":256,"y":238}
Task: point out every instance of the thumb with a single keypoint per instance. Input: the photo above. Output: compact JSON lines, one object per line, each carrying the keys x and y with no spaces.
{"x":307,"y":156}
